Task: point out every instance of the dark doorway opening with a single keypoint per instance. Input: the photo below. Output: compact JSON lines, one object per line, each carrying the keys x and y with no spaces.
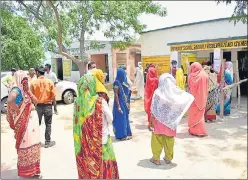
{"x":60,"y":68}
{"x":227,"y":55}
{"x":243,"y":71}
{"x":106,"y":68}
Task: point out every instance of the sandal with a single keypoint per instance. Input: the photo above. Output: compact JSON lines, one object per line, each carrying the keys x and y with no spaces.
{"x":155,"y":162}
{"x":125,"y":139}
{"x":166,"y":161}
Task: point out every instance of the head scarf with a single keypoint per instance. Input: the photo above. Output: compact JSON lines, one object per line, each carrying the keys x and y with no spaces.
{"x":212,"y":78}
{"x":18,"y":122}
{"x":169,"y":102}
{"x":84,"y":106}
{"x":180,"y":79}
{"x":121,"y":77}
{"x":98,"y":74}
{"x":151,"y":86}
{"x":198,"y":84}
{"x":229,"y":68}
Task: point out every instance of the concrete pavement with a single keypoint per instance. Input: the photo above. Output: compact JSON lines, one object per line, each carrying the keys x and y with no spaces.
{"x":223,"y":154}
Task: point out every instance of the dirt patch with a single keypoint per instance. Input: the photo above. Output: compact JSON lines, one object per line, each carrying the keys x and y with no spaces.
{"x":244,"y":175}
{"x":232,"y":162}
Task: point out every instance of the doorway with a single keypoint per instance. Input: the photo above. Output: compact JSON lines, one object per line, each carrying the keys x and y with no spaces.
{"x":60,"y":68}
{"x":243,"y":71}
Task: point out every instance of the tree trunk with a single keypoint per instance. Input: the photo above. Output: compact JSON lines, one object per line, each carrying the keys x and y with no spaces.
{"x":62,"y":50}
{"x":82,"y":66}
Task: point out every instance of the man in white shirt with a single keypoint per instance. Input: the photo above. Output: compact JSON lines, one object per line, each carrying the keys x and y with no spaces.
{"x":53,"y":77}
{"x":91,"y":67}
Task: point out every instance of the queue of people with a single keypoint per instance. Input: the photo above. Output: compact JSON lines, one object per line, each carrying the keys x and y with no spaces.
{"x":166,"y":101}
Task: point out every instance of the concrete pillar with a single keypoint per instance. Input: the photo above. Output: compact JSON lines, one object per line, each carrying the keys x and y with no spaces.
{"x":234,"y":57}
{"x":110,"y":64}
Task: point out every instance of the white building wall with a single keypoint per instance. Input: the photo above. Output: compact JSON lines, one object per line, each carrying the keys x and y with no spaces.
{"x":155,"y":43}
{"x":106,"y":50}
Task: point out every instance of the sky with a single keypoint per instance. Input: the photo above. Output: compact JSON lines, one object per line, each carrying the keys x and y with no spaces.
{"x":182,"y":12}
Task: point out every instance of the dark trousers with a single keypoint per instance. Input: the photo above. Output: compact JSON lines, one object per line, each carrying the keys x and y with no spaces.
{"x":55,"y":105}
{"x":47,"y":111}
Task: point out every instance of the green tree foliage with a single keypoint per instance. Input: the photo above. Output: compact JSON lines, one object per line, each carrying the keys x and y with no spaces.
{"x":240,"y":10}
{"x":61,"y":22}
{"x":21,"y":47}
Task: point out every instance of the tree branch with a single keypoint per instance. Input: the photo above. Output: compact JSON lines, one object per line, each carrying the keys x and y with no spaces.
{"x":55,"y":10}
{"x":36,"y":14}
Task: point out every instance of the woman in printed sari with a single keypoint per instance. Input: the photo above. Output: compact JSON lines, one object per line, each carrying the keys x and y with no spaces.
{"x":23,"y":119}
{"x":151,"y":86}
{"x":180,"y":79}
{"x":198,"y":87}
{"x":210,"y":112}
{"x":100,"y":89}
{"x":121,"y":107}
{"x":93,"y":147}
{"x":228,"y":77}
{"x":169,"y":104}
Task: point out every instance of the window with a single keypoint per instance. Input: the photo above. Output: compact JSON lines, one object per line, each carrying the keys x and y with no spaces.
{"x":74,"y":66}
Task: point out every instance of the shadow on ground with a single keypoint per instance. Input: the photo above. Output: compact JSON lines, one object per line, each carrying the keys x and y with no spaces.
{"x":9,"y":174}
{"x":146,"y":163}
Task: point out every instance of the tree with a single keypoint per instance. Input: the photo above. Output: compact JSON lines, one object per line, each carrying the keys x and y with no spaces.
{"x":21,"y":47}
{"x":64,"y":21}
{"x":240,"y":10}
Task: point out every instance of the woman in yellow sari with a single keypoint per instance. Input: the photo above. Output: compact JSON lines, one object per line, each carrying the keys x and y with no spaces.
{"x":180,"y":79}
{"x":100,"y":88}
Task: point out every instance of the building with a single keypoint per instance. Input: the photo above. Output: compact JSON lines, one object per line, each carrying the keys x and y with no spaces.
{"x":106,"y":58}
{"x":197,"y":41}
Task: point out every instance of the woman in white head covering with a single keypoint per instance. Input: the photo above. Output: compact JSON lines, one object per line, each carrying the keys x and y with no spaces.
{"x":23,"y":120}
{"x":169,"y":104}
{"x":139,"y":80}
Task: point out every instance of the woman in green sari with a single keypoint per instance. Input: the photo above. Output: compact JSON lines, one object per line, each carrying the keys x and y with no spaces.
{"x":93,"y":147}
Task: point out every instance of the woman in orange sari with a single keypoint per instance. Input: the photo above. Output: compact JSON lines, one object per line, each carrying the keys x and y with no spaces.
{"x":23,"y":119}
{"x":198,"y":86}
{"x":151,"y":86}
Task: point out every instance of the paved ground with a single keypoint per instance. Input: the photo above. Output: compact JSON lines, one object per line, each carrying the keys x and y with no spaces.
{"x":223,"y":154}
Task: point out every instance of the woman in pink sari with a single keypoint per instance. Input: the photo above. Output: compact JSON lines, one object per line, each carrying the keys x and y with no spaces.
{"x":198,"y":87}
{"x":151,"y":86}
{"x":23,"y":120}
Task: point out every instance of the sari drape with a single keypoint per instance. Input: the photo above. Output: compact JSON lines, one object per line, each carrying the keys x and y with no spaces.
{"x":210,"y":112}
{"x":227,"y":94}
{"x":180,"y":79}
{"x":121,"y":123}
{"x":198,"y":86}
{"x":94,"y":159}
{"x":151,"y":86}
{"x":100,"y":88}
{"x":26,"y":128}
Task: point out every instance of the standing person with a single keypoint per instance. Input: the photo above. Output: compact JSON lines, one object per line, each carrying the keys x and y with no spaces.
{"x":93,"y":146}
{"x":53,"y":77}
{"x":23,"y":120}
{"x":129,"y":82}
{"x":228,"y":78}
{"x":151,"y":86}
{"x":198,"y":86}
{"x":210,"y":112}
{"x":121,"y":108}
{"x":139,"y":83}
{"x":173,"y":68}
{"x":169,"y":104}
{"x":181,"y":79}
{"x":146,"y":72}
{"x":44,"y":91}
{"x":32,"y":75}
{"x":100,"y":89}
{"x":8,"y":79}
{"x":91,"y":67}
